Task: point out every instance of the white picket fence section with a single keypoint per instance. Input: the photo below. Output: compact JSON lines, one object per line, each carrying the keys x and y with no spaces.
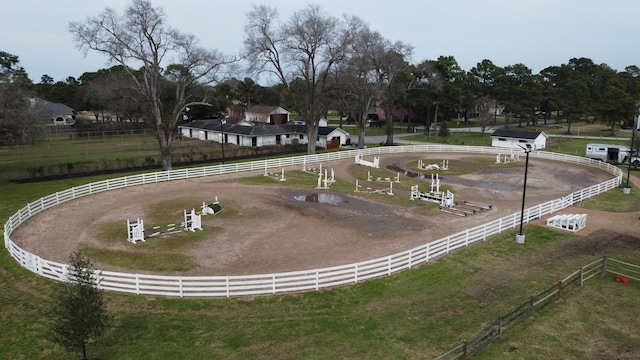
{"x":295,"y":281}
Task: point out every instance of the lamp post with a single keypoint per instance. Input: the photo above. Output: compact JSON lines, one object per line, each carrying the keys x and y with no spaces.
{"x":527,"y":150}
{"x":222,"y":123}
{"x":627,"y":188}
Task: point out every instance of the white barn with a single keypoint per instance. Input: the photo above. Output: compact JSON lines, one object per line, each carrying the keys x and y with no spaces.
{"x":516,"y":139}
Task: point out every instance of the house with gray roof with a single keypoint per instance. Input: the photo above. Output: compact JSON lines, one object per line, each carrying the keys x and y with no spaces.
{"x":244,"y":133}
{"x":53,"y":113}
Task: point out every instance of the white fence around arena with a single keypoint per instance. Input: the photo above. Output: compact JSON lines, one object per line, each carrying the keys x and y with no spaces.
{"x":294,"y":281}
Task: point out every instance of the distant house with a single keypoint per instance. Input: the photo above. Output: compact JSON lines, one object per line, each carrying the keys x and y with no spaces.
{"x":244,"y":133}
{"x":516,"y":139}
{"x":52,"y":113}
{"x":270,"y":115}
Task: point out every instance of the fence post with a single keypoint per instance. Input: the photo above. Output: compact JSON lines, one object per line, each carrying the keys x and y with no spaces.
{"x":500,"y":326}
{"x":604,"y":266}
{"x":559,"y":290}
{"x":464,"y":350}
{"x":532,"y":302}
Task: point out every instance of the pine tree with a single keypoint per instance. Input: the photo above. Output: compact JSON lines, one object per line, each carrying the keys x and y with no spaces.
{"x":444,"y":131}
{"x":79,"y":315}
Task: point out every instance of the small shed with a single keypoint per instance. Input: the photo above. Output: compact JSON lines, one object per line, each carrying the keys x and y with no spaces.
{"x":331,"y":137}
{"x":517,"y":139}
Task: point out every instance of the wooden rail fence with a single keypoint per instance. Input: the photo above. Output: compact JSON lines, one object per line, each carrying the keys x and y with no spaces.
{"x":507,"y":322}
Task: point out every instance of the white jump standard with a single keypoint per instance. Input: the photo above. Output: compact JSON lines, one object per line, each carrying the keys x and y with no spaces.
{"x":135,"y":230}
{"x":192,"y":221}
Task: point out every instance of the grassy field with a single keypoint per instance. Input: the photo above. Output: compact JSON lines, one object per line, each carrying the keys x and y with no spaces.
{"x":417,"y":314}
{"x":68,"y":155}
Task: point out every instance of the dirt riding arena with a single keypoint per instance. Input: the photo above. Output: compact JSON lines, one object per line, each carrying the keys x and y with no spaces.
{"x":267,"y":229}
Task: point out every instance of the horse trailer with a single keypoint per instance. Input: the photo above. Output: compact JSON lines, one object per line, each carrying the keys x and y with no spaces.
{"x":615,"y":154}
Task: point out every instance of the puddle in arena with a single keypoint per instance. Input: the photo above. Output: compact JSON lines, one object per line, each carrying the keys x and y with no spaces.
{"x":321,"y":198}
{"x":407,"y":173}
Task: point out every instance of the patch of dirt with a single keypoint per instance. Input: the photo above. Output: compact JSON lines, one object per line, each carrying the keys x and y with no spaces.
{"x":275,"y":229}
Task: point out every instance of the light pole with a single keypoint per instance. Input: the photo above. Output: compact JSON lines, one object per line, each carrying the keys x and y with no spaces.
{"x":222,"y":123}
{"x":627,"y":188}
{"x":527,"y":150}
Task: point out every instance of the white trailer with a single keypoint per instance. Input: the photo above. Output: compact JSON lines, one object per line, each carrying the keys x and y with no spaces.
{"x":615,"y":154}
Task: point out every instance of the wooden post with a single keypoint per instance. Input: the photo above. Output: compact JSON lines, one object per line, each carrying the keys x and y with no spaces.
{"x":532,"y":302}
{"x":559,"y":290}
{"x":604,"y":266}
{"x":464,"y":350}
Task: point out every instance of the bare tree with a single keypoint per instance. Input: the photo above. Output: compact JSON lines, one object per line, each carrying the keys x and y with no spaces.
{"x":356,"y":78}
{"x":141,"y":38}
{"x":395,"y":80}
{"x":367,"y":78}
{"x":301,"y":54}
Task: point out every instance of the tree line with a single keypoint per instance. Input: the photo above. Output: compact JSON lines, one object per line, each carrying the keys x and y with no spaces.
{"x":320,"y":62}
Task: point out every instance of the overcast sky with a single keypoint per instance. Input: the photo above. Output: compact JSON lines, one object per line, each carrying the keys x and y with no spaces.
{"x":536,"y":33}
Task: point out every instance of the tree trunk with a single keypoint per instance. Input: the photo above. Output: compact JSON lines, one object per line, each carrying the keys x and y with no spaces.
{"x":361,"y":135}
{"x":390,"y":132}
{"x":312,"y":133}
{"x":165,"y":141}
{"x":389,"y":125}
{"x":361,"y":123}
{"x":435,"y":115}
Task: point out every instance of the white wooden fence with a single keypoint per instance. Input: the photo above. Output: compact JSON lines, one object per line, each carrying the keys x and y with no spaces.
{"x":295,"y":281}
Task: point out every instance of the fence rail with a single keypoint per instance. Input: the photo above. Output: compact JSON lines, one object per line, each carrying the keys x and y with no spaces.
{"x":507,"y":322}
{"x":295,"y":281}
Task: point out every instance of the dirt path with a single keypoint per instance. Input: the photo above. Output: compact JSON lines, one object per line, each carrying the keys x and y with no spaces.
{"x":269,"y":229}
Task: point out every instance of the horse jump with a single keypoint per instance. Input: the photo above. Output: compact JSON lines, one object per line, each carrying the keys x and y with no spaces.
{"x":135,"y":229}
{"x":394,"y":179}
{"x":281,"y":175}
{"x":361,"y":161}
{"x":386,"y":191}
{"x":212,"y":208}
{"x":326,"y":183}
{"x":306,"y":168}
{"x":423,"y":166}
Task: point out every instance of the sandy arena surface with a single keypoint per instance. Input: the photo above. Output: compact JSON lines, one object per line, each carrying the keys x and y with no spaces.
{"x":266,"y":229}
